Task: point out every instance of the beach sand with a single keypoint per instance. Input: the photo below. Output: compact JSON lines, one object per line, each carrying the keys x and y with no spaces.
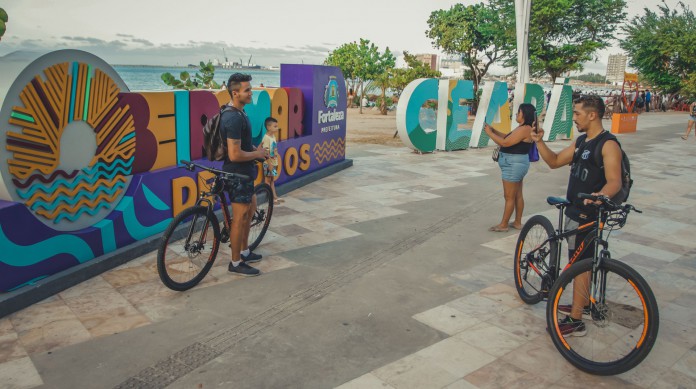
{"x":371,"y":127}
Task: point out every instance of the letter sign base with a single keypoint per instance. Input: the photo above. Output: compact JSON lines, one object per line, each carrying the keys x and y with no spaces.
{"x":622,"y":123}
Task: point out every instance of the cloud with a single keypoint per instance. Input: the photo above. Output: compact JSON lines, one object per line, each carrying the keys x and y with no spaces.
{"x":89,"y":40}
{"x":142,"y":41}
{"x":130,"y":50}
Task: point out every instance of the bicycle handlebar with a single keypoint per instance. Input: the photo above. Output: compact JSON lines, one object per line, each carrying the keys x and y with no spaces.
{"x":608,"y":202}
{"x":188,"y":165}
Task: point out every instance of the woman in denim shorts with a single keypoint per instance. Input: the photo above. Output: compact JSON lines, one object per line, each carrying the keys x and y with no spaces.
{"x":514,"y":164}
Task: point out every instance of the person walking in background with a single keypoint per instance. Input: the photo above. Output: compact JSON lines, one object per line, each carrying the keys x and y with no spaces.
{"x":648,"y":100}
{"x":514,"y":163}
{"x":270,"y":165}
{"x":692,"y":120}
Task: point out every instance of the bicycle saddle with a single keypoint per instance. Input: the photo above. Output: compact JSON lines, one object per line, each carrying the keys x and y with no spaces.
{"x":552,"y":200}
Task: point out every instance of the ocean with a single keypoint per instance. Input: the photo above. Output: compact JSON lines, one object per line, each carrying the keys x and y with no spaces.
{"x":147,"y":78}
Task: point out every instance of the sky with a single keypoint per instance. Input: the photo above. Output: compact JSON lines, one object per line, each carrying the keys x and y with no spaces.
{"x":175,"y":32}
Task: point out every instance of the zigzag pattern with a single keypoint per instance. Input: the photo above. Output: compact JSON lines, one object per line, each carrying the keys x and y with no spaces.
{"x":92,"y":176}
{"x":50,"y":202}
{"x":64,"y":210}
{"x":79,"y":213}
{"x":45,"y":180}
{"x":328,"y":150}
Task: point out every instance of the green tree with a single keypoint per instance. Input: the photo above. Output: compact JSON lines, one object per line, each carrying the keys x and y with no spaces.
{"x":565,"y":33}
{"x":591,"y":77}
{"x":202,"y":80}
{"x":3,"y":19}
{"x":361,"y":62}
{"x":662,"y":47}
{"x":414,"y":70}
{"x":476,"y":32}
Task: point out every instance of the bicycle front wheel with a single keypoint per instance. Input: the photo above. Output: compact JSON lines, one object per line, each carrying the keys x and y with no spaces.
{"x":619,"y":324}
{"x":261,"y":218}
{"x":534,"y":253}
{"x":188,"y":248}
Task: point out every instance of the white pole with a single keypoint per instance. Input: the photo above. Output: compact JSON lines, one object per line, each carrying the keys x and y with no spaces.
{"x":522,"y":12}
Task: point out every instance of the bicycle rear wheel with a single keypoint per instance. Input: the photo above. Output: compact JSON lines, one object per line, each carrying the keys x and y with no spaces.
{"x":188,"y":248}
{"x":533,"y":267}
{"x":621,"y":322}
{"x":262,"y":215}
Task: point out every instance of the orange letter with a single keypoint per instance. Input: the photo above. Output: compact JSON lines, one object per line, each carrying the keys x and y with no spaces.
{"x":179,"y":185}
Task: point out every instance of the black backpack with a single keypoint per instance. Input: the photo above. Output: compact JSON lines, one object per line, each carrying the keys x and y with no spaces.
{"x":214,"y":143}
{"x":626,"y":179}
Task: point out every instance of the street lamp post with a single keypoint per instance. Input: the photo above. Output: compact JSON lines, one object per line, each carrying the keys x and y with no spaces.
{"x":522,"y":11}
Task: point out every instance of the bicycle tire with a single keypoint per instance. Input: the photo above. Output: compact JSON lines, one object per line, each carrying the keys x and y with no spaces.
{"x":625,"y":317}
{"x":182,"y":264}
{"x":262,"y":215}
{"x":534,"y":280}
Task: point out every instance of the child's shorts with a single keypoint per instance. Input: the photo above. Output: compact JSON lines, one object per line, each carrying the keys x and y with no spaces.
{"x":269,"y":170}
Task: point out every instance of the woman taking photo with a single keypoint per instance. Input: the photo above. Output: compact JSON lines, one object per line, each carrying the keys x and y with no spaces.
{"x":514,"y":163}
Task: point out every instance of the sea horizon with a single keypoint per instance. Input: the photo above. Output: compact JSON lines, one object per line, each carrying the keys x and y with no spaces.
{"x":148,"y":77}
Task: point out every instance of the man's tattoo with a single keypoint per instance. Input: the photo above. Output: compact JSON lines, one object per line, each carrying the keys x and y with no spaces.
{"x":237,"y":142}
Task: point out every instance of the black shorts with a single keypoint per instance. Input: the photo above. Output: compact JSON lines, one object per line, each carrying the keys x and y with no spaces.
{"x":242,"y":193}
{"x":574,"y":241}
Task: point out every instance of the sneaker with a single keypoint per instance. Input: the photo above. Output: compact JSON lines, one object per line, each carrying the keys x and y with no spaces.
{"x":252,"y":258}
{"x":572,"y":327}
{"x":243,"y":270}
{"x":567,"y":308}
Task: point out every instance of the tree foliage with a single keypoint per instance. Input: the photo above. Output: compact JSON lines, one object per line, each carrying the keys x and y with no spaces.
{"x":662,"y":47}
{"x":202,"y":80}
{"x":591,"y":77}
{"x":361,"y":62}
{"x":3,"y":20}
{"x":477,"y":33}
{"x":414,"y":70}
{"x":565,"y":33}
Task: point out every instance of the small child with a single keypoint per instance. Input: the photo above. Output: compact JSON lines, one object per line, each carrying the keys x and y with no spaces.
{"x":270,"y":165}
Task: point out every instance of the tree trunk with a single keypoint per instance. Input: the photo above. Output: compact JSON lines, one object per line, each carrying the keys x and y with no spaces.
{"x":383,"y":105}
{"x":362,"y":94}
{"x":554,"y":76}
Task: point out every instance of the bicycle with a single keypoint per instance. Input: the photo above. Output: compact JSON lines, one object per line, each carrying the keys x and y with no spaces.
{"x":190,"y":243}
{"x":622,"y":317}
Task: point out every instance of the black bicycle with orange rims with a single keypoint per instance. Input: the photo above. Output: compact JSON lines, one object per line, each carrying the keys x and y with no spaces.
{"x":620,"y":318}
{"x":190,"y":243}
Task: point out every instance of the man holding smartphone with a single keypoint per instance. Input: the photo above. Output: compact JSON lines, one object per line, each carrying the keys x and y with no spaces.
{"x":585,"y":177}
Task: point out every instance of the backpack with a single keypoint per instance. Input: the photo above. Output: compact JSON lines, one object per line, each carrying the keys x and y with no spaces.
{"x":214,"y":143}
{"x":626,"y":181}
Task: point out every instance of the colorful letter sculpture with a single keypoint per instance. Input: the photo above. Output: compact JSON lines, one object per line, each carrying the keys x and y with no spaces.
{"x":425,"y":128}
{"x":87,"y":167}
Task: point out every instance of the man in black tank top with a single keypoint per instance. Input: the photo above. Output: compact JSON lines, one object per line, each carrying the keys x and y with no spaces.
{"x":585,"y":177}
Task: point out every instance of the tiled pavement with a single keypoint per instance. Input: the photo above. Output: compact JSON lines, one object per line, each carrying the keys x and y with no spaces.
{"x":492,"y":338}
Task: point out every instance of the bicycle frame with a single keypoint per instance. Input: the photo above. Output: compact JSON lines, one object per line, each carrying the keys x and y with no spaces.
{"x":596,"y":229}
{"x":206,"y":199}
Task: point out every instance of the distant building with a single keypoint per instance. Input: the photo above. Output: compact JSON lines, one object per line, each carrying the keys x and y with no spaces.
{"x":616,"y":68}
{"x":451,"y":68}
{"x":428,"y":59}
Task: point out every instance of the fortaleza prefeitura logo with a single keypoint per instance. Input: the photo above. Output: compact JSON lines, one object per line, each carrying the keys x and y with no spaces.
{"x":331,"y":93}
{"x":332,"y":114}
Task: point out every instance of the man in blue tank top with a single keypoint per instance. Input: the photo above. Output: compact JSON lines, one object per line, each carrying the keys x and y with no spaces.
{"x":585,"y":177}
